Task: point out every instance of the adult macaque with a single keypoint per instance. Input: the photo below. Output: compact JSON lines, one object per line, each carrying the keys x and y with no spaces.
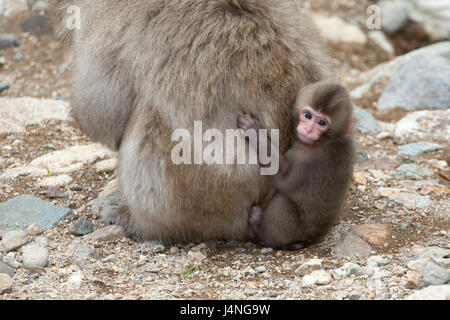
{"x":145,"y":68}
{"x":307,"y":195}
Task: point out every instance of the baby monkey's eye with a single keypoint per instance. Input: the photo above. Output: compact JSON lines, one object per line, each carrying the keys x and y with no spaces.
{"x":322,"y":123}
{"x":308,"y":115}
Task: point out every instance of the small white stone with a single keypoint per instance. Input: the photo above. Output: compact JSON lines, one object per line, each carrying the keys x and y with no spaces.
{"x":56,"y":181}
{"x":308,"y":267}
{"x":34,"y":256}
{"x":14,"y":239}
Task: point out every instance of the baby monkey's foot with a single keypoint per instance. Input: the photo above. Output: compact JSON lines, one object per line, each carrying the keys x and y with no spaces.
{"x":246,"y":122}
{"x":254,"y":217}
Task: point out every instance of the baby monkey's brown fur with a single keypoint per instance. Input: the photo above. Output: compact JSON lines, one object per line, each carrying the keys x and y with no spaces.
{"x":307,"y":195}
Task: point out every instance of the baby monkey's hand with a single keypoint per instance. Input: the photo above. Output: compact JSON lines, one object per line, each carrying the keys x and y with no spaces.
{"x":246,"y":122}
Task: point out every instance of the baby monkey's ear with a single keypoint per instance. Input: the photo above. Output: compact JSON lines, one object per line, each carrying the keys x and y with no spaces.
{"x":351,"y":126}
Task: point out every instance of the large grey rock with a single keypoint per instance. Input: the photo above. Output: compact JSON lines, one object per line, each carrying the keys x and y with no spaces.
{"x":424,"y":125}
{"x":432,"y":252}
{"x":387,"y":70}
{"x":19,"y":112}
{"x":432,"y":293}
{"x":20,"y":212}
{"x":433,"y":274}
{"x":422,"y":83}
{"x":366,"y":121}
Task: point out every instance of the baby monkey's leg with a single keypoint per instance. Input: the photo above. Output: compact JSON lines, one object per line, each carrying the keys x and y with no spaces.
{"x":254,"y":218}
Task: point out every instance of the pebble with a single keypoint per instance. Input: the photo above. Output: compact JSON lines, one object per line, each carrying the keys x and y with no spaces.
{"x":64,"y":67}
{"x":4,"y":86}
{"x":266,"y":250}
{"x":6,"y":283}
{"x":249,"y":271}
{"x":75,"y":280}
{"x":418,"y":148}
{"x":360,"y":178}
{"x":54,"y":193}
{"x":319,"y":277}
{"x":411,"y":200}
{"x":152,"y":268}
{"x":74,"y":187}
{"x":410,"y":170}
{"x":83,"y":256}
{"x":250,"y":292}
{"x":196,"y":256}
{"x":308,"y":267}
{"x":5,"y":267}
{"x":351,"y":268}
{"x":8,"y":40}
{"x":414,"y":280}
{"x":56,"y":181}
{"x":158,"y":248}
{"x":14,"y":239}
{"x":261,"y":269}
{"x":353,"y":247}
{"x":18,"y":56}
{"x":374,"y":233}
{"x":81,"y":227}
{"x":34,"y":256}
{"x":108,"y":233}
{"x":354,"y":295}
{"x":33,"y":229}
{"x":41,"y":241}
{"x":110,"y":258}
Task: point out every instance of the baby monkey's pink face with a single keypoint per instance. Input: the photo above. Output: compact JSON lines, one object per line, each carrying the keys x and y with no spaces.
{"x":312,"y":124}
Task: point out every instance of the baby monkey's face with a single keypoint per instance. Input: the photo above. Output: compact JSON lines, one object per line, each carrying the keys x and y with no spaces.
{"x":311,"y":125}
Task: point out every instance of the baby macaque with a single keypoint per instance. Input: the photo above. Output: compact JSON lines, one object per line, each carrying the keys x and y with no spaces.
{"x":308,"y":193}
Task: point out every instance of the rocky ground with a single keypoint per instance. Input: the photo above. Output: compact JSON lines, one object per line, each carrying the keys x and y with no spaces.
{"x":392,"y":243}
